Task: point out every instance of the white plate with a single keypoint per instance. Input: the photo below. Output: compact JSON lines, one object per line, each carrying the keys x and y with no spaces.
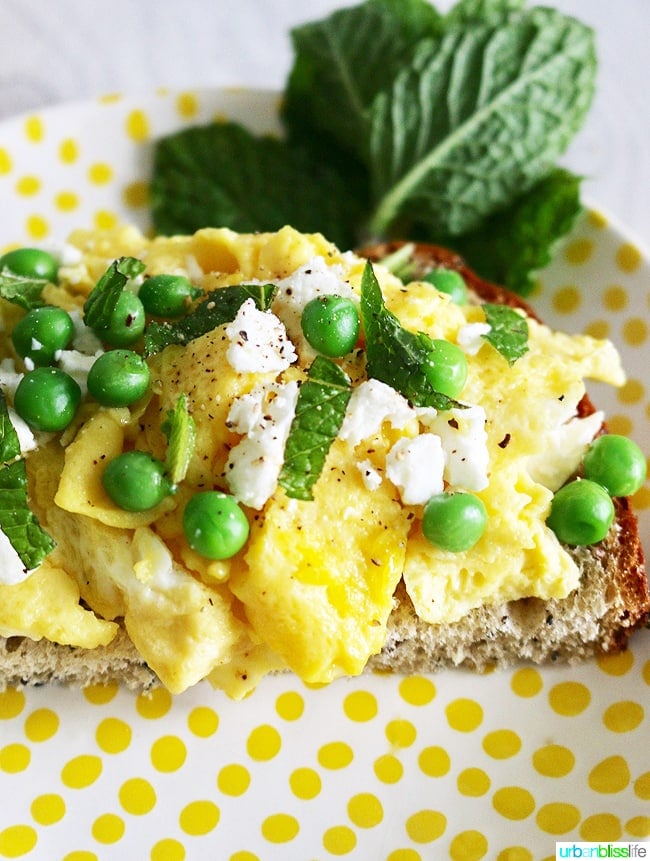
{"x":448,"y":766}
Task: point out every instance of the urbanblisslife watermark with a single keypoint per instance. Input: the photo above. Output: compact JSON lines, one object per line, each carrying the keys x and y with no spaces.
{"x":603,"y":849}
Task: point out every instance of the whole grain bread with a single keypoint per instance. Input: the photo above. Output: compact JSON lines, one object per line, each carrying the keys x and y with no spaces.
{"x":611,"y":602}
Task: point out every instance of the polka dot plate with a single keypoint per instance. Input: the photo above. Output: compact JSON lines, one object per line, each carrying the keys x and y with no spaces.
{"x":454,"y":766}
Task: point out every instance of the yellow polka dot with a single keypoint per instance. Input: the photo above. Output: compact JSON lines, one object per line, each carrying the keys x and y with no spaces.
{"x":110,"y":98}
{"x":263,"y":743}
{"x":426,"y":826}
{"x":339,"y":840}
{"x":404,"y":855}
{"x":417,"y":690}
{"x":37,"y":226}
{"x":290,"y":705}
{"x":27,"y":186}
{"x":635,"y":331}
{"x":623,"y":716}
{"x":553,"y":760}
{"x":41,"y":725}
{"x":81,"y":771}
{"x":569,"y":698}
{"x":464,"y":715}
{"x":80,"y":855}
{"x":199,"y":817}
{"x":434,"y":761}
{"x":137,"y":796}
{"x":233,"y":779}
{"x":642,"y":786}
{"x":513,"y":802}
{"x":628,"y":257}
{"x":515,"y":853}
{"x":388,"y":768}
{"x":473,"y":782}
{"x":365,"y":810}
{"x":615,"y":298}
{"x":638,"y":826}
{"x":526,"y":682}
{"x":187,"y":105}
{"x":579,"y":251}
{"x":105,"y":220}
{"x":620,"y":424}
{"x":17,"y":840}
{"x":641,"y":498}
{"x":154,"y":704}
{"x":557,"y":817}
{"x":468,"y":846}
{"x":335,"y":755}
{"x":113,"y":735}
{"x":203,"y":721}
{"x":243,"y":856}
{"x":137,"y":126}
{"x":108,"y":828}
{"x":631,"y":392}
{"x":66,"y":201}
{"x":100,"y":173}
{"x":168,"y":753}
{"x":48,"y":809}
{"x":601,"y":826}
{"x":68,"y":151}
{"x":14,"y":758}
{"x":610,"y":775}
{"x":305,"y":783}
{"x":100,"y":694}
{"x":566,"y":299}
{"x":6,"y":163}
{"x":597,"y":219}
{"x":280,"y":828}
{"x":616,"y":664}
{"x":400,"y":733}
{"x":360,"y":706}
{"x":34,"y":129}
{"x":502,"y":744}
{"x":167,"y":849}
{"x":598,"y":329}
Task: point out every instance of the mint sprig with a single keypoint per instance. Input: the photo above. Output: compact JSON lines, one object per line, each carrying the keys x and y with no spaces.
{"x":508,"y":331}
{"x":104,"y":296}
{"x":21,"y":290}
{"x":219,"y":306}
{"x":394,"y":355}
{"x":320,"y":410}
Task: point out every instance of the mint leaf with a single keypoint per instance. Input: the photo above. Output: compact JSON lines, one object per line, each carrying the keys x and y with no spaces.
{"x":17,"y":521}
{"x":479,"y":116}
{"x":222,"y":175}
{"x":103,"y":298}
{"x":21,"y":290}
{"x":512,"y":245}
{"x":180,"y":430}
{"x":471,"y":12}
{"x":9,"y":442}
{"x":393,"y":354}
{"x":508,"y":331}
{"x":320,"y":409}
{"x":219,"y":306}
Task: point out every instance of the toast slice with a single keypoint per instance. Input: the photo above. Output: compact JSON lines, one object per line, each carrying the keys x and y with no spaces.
{"x":611,"y":602}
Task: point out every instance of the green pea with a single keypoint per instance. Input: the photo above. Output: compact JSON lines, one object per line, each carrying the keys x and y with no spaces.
{"x":445,"y":367}
{"x":214,"y":524}
{"x":136,"y":481}
{"x":127,"y":321}
{"x":448,"y":281}
{"x":581,"y":513}
{"x":47,"y":399}
{"x":167,"y":295}
{"x":617,"y":463}
{"x":118,"y":378}
{"x":331,"y":325}
{"x":454,"y":521}
{"x":30,"y":263}
{"x":41,"y":333}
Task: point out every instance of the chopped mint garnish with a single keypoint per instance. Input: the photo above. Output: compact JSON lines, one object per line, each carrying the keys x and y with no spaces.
{"x":103,"y":298}
{"x":320,"y":410}
{"x":21,"y":290}
{"x":219,"y":306}
{"x":508,"y":331}
{"x":181,"y":437}
{"x":393,"y":354}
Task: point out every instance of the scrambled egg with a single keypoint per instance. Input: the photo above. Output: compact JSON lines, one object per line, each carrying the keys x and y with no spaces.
{"x":313,"y":588}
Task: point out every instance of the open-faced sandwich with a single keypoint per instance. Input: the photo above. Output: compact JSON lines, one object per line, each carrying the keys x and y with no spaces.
{"x":231,"y":454}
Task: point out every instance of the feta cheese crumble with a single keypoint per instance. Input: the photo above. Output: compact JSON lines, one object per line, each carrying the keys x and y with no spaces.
{"x":471,"y":337}
{"x":258,"y":342}
{"x":415,"y":466}
{"x":464,"y":442}
{"x":371,"y":404}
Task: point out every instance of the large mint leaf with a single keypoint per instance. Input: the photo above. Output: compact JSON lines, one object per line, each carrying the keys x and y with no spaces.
{"x":103,"y":298}
{"x":21,"y":290}
{"x":9,"y":442}
{"x":508,"y":331}
{"x":467,"y":13}
{"x":394,"y":355}
{"x":17,"y":520}
{"x":477,"y":118}
{"x":219,"y":306}
{"x":319,"y":414}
